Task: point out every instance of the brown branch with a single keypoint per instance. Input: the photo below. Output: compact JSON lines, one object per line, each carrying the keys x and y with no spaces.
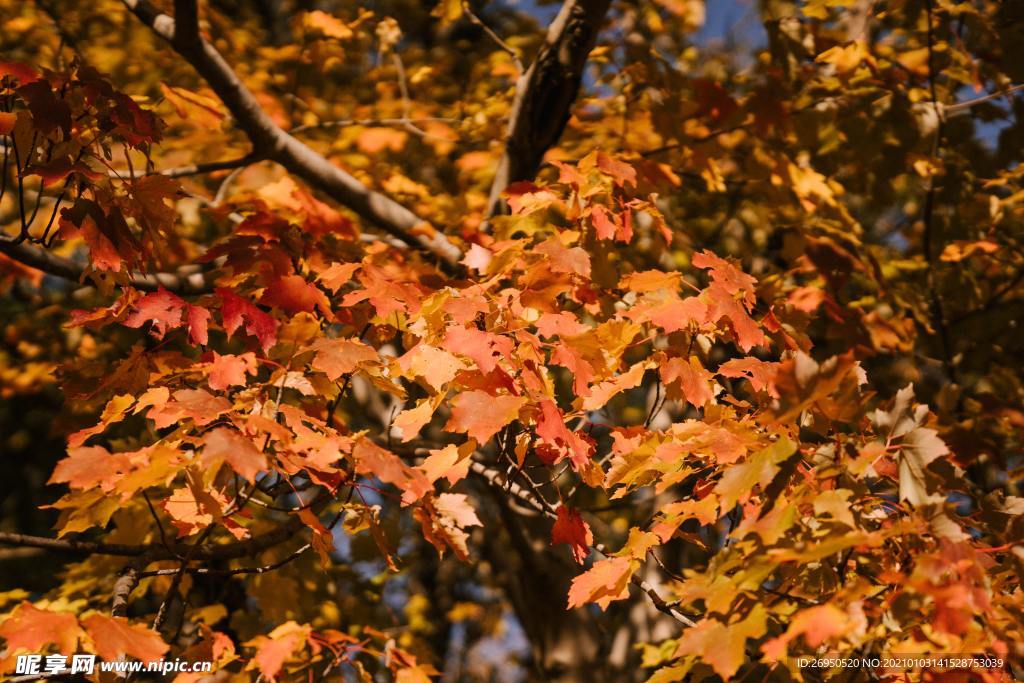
{"x":545,"y":94}
{"x":190,"y":169}
{"x":505,"y":47}
{"x":156,"y":551}
{"x":48,"y":262}
{"x":126,"y":582}
{"x":271,"y":142}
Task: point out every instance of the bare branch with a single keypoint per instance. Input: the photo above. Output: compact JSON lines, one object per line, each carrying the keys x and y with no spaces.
{"x":190,"y":169}
{"x":545,"y":93}
{"x":505,"y":47}
{"x":156,"y":551}
{"x":273,"y":143}
{"x":48,"y":262}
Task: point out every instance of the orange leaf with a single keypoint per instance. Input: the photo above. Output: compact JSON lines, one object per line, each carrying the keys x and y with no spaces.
{"x":114,"y":637}
{"x":605,"y":582}
{"x":482,"y":415}
{"x":225,"y":445}
{"x":30,"y":629}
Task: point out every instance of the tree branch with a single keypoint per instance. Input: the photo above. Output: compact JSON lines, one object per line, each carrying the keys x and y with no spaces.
{"x":157,"y":551}
{"x":48,"y":262}
{"x":545,"y":93}
{"x":273,"y":143}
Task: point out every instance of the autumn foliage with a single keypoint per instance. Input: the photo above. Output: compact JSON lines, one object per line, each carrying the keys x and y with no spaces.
{"x":482,"y":342}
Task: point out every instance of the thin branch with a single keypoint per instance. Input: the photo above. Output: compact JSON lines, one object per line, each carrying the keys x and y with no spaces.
{"x":48,"y":262}
{"x":233,"y":572}
{"x":273,"y":143}
{"x":545,"y":94}
{"x":156,"y":551}
{"x":386,"y":121}
{"x":512,"y":52}
{"x":191,"y":169}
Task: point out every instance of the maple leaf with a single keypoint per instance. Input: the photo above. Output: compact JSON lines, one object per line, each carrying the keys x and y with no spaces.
{"x":292,"y":294}
{"x":114,"y":637}
{"x":236,"y":311}
{"x":651,"y":281}
{"x":409,"y":422}
{"x":31,"y":629}
{"x":692,"y":379}
{"x":444,"y":519}
{"x":622,"y":173}
{"x":731,"y":278}
{"x":280,"y":645}
{"x":482,"y":415}
{"x":90,"y":466}
{"x":605,"y":226}
{"x":604,"y":583}
{"x":199,"y":405}
{"x":483,"y":348}
{"x":602,"y":392}
{"x":562,"y":259}
{"x":436,"y":366}
{"x":571,"y":529}
{"x":161,"y":308}
{"x":230,"y":370}
{"x":722,"y":304}
{"x":563,"y":324}
{"x":723,"y":645}
{"x":451,"y":462}
{"x":738,"y":482}
{"x":478,"y":258}
{"x":337,"y":275}
{"x":225,"y":445}
{"x":816,"y":624}
{"x":372,"y":460}
{"x":337,"y":357}
{"x":919,"y":448}
{"x":761,"y":374}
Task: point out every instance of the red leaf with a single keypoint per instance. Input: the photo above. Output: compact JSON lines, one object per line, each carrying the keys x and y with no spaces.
{"x":562,"y":259}
{"x":237,"y":311}
{"x":293,"y":294}
{"x":59,"y":169}
{"x":161,"y":308}
{"x":197,"y":318}
{"x":761,"y":374}
{"x":23,"y":73}
{"x":604,"y":222}
{"x":570,"y":529}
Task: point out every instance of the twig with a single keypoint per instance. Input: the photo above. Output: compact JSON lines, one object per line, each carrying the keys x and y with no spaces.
{"x":512,"y":52}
